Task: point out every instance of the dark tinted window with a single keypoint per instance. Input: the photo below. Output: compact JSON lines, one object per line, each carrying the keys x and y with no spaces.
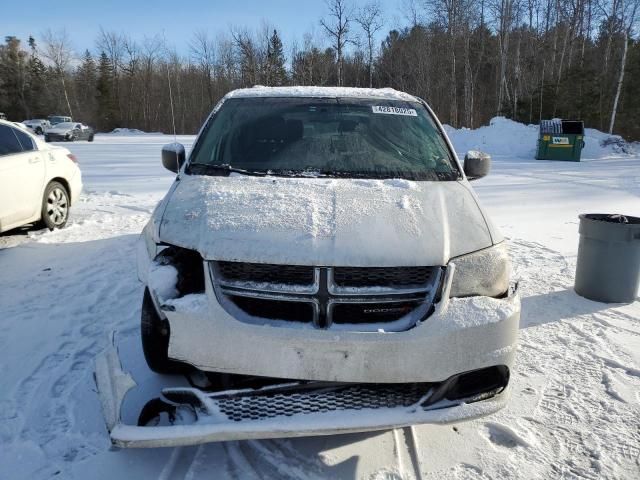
{"x":25,"y":140}
{"x":8,"y":141}
{"x":345,"y":137}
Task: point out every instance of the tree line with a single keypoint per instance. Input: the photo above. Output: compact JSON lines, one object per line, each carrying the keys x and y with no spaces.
{"x":470,"y":60}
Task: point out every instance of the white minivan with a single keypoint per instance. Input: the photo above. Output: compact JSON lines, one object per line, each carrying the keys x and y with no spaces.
{"x":38,"y":182}
{"x":322,"y":261}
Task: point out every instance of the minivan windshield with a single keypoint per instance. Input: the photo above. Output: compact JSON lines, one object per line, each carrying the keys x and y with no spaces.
{"x":55,"y":119}
{"x":336,"y":137}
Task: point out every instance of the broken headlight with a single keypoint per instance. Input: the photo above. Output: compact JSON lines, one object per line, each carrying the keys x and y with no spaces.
{"x":485,"y":272}
{"x":149,"y":241}
{"x":189,"y":267}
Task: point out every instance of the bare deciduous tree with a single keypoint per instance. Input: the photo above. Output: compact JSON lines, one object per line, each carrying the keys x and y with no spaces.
{"x":204,"y":53}
{"x":337,"y":28}
{"x":57,"y":49}
{"x":369,"y":17}
{"x":527,"y":59}
{"x":627,"y":21}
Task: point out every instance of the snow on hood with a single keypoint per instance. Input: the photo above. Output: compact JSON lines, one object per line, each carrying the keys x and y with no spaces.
{"x":323,"y":221}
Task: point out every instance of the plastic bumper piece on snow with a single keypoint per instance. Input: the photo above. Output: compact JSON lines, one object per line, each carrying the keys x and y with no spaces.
{"x":285,"y":410}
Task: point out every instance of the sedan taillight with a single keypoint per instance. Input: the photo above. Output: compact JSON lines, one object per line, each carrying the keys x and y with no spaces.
{"x":72,"y":157}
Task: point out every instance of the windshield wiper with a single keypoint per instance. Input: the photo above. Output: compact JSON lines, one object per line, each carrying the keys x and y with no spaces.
{"x":222,"y":169}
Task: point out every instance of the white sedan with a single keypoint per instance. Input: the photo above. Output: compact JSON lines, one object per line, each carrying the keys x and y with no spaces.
{"x":38,"y":182}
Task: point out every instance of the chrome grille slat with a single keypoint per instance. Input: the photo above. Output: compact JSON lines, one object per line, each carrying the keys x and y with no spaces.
{"x":324,"y":294}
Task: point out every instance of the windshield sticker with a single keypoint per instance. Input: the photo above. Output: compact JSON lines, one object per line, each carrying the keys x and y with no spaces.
{"x":408,"y":112}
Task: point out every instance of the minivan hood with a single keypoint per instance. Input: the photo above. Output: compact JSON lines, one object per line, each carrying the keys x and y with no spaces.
{"x":323,"y":221}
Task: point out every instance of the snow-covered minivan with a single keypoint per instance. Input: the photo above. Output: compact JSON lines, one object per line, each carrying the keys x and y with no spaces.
{"x":322,"y":254}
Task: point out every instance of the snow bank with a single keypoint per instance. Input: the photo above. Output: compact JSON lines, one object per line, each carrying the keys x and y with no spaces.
{"x":504,"y":137}
{"x":130,"y":131}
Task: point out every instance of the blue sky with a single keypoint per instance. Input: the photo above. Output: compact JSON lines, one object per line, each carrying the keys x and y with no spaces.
{"x":177,"y":19}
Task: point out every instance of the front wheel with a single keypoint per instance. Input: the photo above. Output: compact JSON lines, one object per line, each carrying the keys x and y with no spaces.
{"x":90,"y":139}
{"x":155,"y":339}
{"x":39,"y":131}
{"x":55,"y":206}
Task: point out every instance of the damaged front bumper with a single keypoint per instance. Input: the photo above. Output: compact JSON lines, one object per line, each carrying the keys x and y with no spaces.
{"x":293,"y":409}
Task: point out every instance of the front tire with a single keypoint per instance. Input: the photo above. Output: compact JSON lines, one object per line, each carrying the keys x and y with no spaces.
{"x":90,"y":139}
{"x":155,"y":333}
{"x":39,"y":131}
{"x":55,"y":206}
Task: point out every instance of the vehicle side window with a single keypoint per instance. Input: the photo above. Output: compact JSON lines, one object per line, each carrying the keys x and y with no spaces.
{"x":25,"y":140}
{"x":78,"y":126}
{"x":8,"y":141}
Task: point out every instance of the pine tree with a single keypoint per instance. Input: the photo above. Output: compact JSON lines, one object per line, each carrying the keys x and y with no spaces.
{"x":14,"y":84}
{"x":106,"y":111}
{"x":86,"y":83}
{"x":36,"y":72}
{"x":276,"y":72}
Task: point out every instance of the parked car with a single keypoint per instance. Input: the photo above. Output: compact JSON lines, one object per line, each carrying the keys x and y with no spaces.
{"x":38,"y":182}
{"x":321,"y":250}
{"x":69,"y":132}
{"x":22,"y":126}
{"x":38,"y":125}
{"x":56,"y":119}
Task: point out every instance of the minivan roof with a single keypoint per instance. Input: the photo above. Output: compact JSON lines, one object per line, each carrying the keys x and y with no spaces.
{"x":321,"y":92}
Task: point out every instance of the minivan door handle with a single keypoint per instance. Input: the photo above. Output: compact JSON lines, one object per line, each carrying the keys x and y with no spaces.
{"x":34,"y":160}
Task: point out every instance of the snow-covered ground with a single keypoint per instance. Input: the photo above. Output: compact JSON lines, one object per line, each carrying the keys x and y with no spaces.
{"x":575,"y":409}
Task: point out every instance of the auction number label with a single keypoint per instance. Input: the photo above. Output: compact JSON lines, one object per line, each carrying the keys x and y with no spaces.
{"x":408,"y":112}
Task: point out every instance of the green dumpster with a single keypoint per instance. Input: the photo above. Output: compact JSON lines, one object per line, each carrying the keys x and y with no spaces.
{"x":560,"y":140}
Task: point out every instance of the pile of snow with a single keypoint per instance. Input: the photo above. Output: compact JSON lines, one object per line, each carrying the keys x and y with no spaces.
{"x":131,"y":131}
{"x":504,"y":137}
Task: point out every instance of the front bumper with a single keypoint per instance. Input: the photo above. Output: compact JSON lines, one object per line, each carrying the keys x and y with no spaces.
{"x":55,"y":137}
{"x":461,"y":335}
{"x":288,"y":410}
{"x":75,"y":183}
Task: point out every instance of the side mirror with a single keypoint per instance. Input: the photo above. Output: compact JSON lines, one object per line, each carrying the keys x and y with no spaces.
{"x":173,"y":156}
{"x":476,"y":164}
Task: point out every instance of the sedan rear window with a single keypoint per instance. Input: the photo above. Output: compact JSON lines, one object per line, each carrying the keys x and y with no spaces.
{"x":344,"y":137}
{"x":8,"y":141}
{"x":25,"y":140}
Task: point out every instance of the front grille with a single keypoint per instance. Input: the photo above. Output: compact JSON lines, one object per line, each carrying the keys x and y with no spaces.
{"x":357,"y":298}
{"x":263,"y":273}
{"x":350,"y":397}
{"x":390,"y":277}
{"x":372,"y":312}
{"x":54,"y":137}
{"x":275,"y":309}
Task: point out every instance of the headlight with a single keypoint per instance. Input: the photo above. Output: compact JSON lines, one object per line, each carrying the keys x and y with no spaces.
{"x":485,"y":272}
